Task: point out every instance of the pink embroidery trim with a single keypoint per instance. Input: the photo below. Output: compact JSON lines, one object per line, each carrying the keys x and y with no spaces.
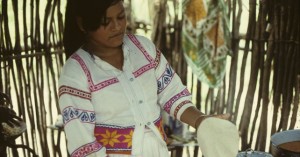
{"x":157,"y":58}
{"x":143,"y":70}
{"x":147,"y":67}
{"x":139,"y":46}
{"x":179,"y":107}
{"x":74,"y":92}
{"x":84,"y":67}
{"x":87,"y":149}
{"x":169,"y":104}
{"x":103,"y":84}
{"x":99,"y":86}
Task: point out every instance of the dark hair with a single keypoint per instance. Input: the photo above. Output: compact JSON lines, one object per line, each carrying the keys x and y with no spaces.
{"x":93,"y":14}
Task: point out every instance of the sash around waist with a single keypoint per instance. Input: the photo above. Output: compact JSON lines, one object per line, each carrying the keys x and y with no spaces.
{"x":118,"y":139}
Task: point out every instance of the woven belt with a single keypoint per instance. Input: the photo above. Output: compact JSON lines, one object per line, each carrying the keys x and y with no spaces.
{"x":118,"y":139}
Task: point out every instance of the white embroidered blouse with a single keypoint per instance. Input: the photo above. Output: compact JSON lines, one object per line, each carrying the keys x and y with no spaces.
{"x":107,"y":110}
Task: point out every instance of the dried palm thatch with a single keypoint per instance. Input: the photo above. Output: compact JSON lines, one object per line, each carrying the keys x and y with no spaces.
{"x":31,"y":58}
{"x":267,"y":82}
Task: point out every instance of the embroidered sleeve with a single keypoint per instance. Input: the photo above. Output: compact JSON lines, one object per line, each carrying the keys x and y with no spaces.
{"x":78,"y":114}
{"x":173,"y":96}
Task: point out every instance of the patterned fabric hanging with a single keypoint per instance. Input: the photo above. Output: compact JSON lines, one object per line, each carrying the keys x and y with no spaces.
{"x":205,"y":39}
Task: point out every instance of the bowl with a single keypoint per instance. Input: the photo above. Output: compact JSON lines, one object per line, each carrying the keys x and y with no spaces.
{"x":286,"y":143}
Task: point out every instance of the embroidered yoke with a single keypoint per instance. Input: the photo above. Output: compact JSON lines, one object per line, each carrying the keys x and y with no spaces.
{"x":111,"y":111}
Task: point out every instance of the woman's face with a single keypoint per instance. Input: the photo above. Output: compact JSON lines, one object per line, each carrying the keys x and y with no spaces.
{"x":111,"y":34}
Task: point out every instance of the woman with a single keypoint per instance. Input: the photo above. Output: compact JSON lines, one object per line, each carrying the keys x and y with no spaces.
{"x":114,"y":86}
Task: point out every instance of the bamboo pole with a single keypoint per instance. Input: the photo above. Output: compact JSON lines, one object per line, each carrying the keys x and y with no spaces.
{"x":246,"y":115}
{"x":235,"y":54}
{"x":262,"y":100}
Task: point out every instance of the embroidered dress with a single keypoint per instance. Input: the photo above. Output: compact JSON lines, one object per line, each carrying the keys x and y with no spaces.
{"x":107,"y":111}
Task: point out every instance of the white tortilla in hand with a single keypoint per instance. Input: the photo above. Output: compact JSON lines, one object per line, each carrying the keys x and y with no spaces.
{"x":218,"y":138}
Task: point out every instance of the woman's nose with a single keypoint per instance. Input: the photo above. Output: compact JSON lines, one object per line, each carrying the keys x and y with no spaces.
{"x":116,"y":25}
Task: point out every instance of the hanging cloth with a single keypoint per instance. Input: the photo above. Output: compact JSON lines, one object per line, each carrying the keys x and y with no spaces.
{"x":205,"y":39}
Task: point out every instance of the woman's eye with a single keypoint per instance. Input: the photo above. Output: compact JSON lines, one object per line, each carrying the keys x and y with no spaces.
{"x":121,"y":17}
{"x":108,"y":21}
{"x":105,"y":23}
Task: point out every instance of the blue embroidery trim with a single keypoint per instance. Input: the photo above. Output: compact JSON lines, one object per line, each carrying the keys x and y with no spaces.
{"x":165,"y":79}
{"x":84,"y":116}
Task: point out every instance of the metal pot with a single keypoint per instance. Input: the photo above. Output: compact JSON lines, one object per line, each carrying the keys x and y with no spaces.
{"x":282,"y":138}
{"x":251,"y":153}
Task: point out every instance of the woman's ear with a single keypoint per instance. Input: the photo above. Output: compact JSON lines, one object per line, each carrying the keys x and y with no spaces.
{"x":79,"y":24}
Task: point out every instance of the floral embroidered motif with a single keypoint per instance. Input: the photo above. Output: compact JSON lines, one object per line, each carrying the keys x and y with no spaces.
{"x":113,"y":138}
{"x":99,"y":86}
{"x":128,"y":139}
{"x":118,"y":139}
{"x":70,"y":113}
{"x":74,"y":92}
{"x":109,"y":138}
{"x":169,"y":104}
{"x":86,"y":149}
{"x":165,"y":79}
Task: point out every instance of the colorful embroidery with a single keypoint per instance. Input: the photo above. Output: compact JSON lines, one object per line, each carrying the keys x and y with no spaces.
{"x":165,"y":79}
{"x":118,"y":139}
{"x":143,"y":70}
{"x":179,"y":107}
{"x":86,"y":149}
{"x":159,"y":124}
{"x":74,"y":92}
{"x":84,"y":68}
{"x":70,"y":113}
{"x":157,"y":58}
{"x":128,"y":139}
{"x":110,"y":138}
{"x":104,"y":84}
{"x":169,"y":104}
{"x":99,"y":86}
{"x":140,"y":47}
{"x":152,"y":63}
